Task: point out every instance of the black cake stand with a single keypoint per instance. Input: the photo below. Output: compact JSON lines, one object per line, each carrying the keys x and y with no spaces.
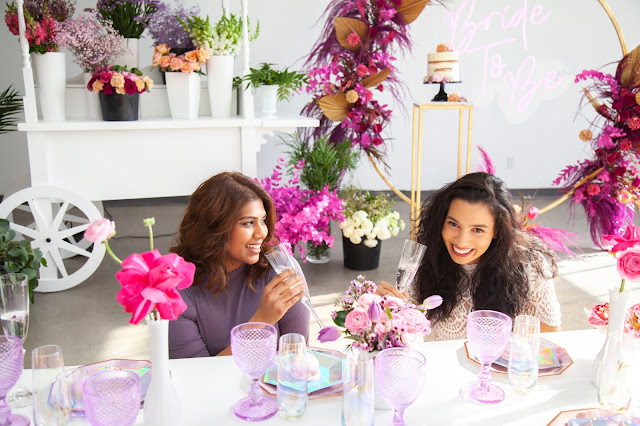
{"x":441,"y":96}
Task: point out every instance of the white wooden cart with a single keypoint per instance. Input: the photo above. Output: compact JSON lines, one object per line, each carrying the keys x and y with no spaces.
{"x":77,"y":163}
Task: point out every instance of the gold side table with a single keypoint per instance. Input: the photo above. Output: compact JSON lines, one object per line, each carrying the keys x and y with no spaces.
{"x":416,"y":150}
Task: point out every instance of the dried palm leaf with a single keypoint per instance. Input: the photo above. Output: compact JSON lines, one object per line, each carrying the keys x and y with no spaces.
{"x":411,"y":9}
{"x":377,"y":78}
{"x":334,"y":107}
{"x":598,"y":106}
{"x":628,"y":71}
{"x":346,"y":26}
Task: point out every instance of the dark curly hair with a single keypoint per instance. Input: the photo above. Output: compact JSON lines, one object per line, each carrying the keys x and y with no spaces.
{"x":500,"y":281}
{"x":214,"y":209}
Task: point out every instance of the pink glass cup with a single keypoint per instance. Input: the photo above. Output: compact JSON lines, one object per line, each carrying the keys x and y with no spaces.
{"x":11,"y":359}
{"x":253,"y":345}
{"x":112,"y":398}
{"x":488,"y":333}
{"x":399,"y":378}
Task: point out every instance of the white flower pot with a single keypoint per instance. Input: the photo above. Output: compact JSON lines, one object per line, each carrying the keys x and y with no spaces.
{"x":220,"y":84}
{"x":132,"y":58}
{"x":183,"y":91}
{"x":268,"y":100}
{"x":51,"y":77}
{"x":94,"y":113}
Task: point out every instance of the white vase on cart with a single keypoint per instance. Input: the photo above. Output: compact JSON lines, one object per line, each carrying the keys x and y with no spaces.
{"x":132,"y":58}
{"x":183,"y":91}
{"x":94,"y":113}
{"x":220,"y":85}
{"x":269,"y":100}
{"x":51,"y":78}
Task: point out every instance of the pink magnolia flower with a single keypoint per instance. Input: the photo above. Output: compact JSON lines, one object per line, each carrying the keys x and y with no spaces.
{"x":100,"y":230}
{"x":599,"y":315}
{"x":151,"y":281}
{"x":329,"y":334}
{"x":629,"y":264}
{"x":357,"y":320}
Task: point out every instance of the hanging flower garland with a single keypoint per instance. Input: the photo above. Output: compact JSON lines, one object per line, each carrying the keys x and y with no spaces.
{"x":350,"y":62}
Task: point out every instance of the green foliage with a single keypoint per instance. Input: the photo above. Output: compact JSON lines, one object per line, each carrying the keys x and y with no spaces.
{"x":325,"y":163}
{"x":340,"y":318}
{"x":376,"y":206}
{"x":10,"y":106}
{"x":123,"y":68}
{"x":287,"y":81}
{"x":19,"y":257}
{"x":128,"y":18}
{"x":237,"y":81}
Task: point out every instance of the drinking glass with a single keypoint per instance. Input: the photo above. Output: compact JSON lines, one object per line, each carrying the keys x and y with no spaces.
{"x":14,"y":316}
{"x":358,"y":389}
{"x":11,"y":364}
{"x":488,"y":333}
{"x":399,"y":377}
{"x":281,"y":260}
{"x":292,"y":393}
{"x":47,"y":365}
{"x":524,"y":353}
{"x":616,"y":380}
{"x":112,"y":398}
{"x":412,"y":253}
{"x":253,"y":345}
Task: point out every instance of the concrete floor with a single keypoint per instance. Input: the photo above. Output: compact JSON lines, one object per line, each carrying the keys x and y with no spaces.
{"x":90,"y":326}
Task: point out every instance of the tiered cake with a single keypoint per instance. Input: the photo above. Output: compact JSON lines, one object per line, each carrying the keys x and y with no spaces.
{"x":443,"y":65}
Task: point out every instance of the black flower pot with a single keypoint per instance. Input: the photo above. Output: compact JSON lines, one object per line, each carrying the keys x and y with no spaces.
{"x":119,"y":107}
{"x":360,"y":257}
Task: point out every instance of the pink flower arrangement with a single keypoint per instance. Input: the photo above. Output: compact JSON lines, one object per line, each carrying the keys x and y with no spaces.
{"x":149,"y":280}
{"x":170,"y":62}
{"x":599,"y":316}
{"x":41,"y":18}
{"x":376,"y":323}
{"x":116,"y":79}
{"x":626,"y":250}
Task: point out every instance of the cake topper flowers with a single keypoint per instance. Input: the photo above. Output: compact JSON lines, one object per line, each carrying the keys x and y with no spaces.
{"x":150,"y":281}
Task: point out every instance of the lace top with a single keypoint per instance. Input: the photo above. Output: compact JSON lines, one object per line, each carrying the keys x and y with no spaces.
{"x":543,"y":304}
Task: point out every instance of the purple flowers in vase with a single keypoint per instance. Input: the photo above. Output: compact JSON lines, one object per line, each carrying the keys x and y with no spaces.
{"x":165,"y":28}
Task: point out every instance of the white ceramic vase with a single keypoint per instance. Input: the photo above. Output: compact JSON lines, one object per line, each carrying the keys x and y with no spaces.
{"x":617,"y":311}
{"x":131,"y":58}
{"x":162,"y":405}
{"x":220,"y":85}
{"x":51,"y":79}
{"x":183,"y":91}
{"x":94,"y":113}
{"x":268,"y":100}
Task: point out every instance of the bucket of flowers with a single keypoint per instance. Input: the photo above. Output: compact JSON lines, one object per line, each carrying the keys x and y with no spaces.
{"x":119,"y":91}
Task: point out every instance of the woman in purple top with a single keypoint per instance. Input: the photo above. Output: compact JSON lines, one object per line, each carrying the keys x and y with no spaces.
{"x":227,"y":225}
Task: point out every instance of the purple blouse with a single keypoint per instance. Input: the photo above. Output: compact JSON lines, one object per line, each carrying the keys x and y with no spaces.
{"x":203,"y":329}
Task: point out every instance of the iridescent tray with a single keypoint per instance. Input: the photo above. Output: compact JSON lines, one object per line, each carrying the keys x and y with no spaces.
{"x":80,"y":374}
{"x":329,"y":382}
{"x":563,"y":417}
{"x":564,"y":360}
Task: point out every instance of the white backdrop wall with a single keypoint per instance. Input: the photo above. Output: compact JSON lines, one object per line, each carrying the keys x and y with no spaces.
{"x":518,"y":63}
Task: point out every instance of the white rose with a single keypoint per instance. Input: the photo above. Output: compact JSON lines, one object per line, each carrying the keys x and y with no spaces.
{"x":371,"y":242}
{"x":348,"y":231}
{"x":367,"y":225}
{"x":342,"y":224}
{"x":384,"y":234}
{"x":360,"y":232}
{"x":359,"y":215}
{"x":355,"y":239}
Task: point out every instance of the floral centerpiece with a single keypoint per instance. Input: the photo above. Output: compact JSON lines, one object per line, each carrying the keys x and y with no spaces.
{"x":165,"y":28}
{"x":375,"y":323}
{"x":223,"y":38}
{"x":128,"y":17}
{"x":599,"y":317}
{"x":42,"y":18}
{"x":171,"y":62}
{"x":93,"y":43}
{"x":116,"y":79}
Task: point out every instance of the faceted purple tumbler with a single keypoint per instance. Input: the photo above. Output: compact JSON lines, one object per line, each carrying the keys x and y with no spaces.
{"x":112,"y":398}
{"x":11,"y":359}
{"x":488,"y":333}
{"x":399,"y":378}
{"x":253,"y":345}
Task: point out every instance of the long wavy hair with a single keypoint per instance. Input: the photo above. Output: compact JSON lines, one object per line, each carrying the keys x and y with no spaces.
{"x":205,"y":231}
{"x":500,"y":281}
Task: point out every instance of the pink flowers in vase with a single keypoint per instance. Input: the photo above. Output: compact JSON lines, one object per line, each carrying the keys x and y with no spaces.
{"x":376,"y":323}
{"x":599,"y":316}
{"x":150,"y":281}
{"x":116,"y":79}
{"x":170,"y":62}
{"x":626,"y":250}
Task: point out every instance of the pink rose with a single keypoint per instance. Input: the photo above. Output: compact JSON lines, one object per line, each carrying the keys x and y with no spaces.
{"x":398,"y":323}
{"x":156,"y":59}
{"x":367,"y":299}
{"x":415,"y":321}
{"x":176,"y":64}
{"x":357,"y":320}
{"x":392,"y":302}
{"x":165,"y":61}
{"x":630,"y":238}
{"x":629,"y":264}
{"x":100,"y":230}
{"x":150,"y":281}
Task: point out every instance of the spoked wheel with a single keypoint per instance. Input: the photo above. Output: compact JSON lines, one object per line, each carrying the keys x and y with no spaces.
{"x":54,"y":220}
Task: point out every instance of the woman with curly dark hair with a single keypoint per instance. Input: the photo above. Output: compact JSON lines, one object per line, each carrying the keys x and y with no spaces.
{"x":478,"y":257}
{"x":225,"y":230}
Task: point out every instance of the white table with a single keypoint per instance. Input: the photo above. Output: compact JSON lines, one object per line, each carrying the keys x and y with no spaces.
{"x":209,"y":387}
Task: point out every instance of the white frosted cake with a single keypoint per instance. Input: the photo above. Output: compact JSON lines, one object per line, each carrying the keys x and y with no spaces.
{"x":443,"y":65}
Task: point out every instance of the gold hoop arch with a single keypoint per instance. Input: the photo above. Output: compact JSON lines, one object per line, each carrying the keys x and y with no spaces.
{"x":566,"y":196}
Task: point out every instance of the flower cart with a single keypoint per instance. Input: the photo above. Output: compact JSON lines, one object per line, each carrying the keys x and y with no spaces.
{"x":76,"y":162}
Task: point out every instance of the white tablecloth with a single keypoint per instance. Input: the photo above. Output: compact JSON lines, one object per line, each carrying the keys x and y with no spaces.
{"x":209,"y":387}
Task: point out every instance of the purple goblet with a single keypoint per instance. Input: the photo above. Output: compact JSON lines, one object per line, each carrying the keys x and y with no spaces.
{"x":399,"y":378}
{"x":488,"y":333}
{"x":11,"y":359}
{"x":253,"y":345}
{"x":112,"y":398}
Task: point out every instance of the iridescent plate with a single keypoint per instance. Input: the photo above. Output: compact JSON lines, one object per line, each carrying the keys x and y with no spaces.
{"x":588,"y":416}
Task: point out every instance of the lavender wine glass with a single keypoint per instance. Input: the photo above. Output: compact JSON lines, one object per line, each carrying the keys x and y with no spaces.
{"x":11,"y":359}
{"x":112,"y":398}
{"x":253,"y":345}
{"x":488,"y":333}
{"x":399,"y":378}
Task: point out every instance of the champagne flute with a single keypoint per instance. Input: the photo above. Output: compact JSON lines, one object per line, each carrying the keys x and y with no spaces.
{"x":14,"y":316}
{"x":412,"y":254}
{"x":281,"y":260}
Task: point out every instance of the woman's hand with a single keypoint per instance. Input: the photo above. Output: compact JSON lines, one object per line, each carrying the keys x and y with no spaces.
{"x":386,"y":289}
{"x":282,"y":292}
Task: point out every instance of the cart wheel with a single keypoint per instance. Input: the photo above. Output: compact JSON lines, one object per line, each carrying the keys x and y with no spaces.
{"x":52,"y":218}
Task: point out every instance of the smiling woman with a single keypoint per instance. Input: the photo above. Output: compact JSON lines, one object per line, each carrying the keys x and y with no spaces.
{"x":225,"y":229}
